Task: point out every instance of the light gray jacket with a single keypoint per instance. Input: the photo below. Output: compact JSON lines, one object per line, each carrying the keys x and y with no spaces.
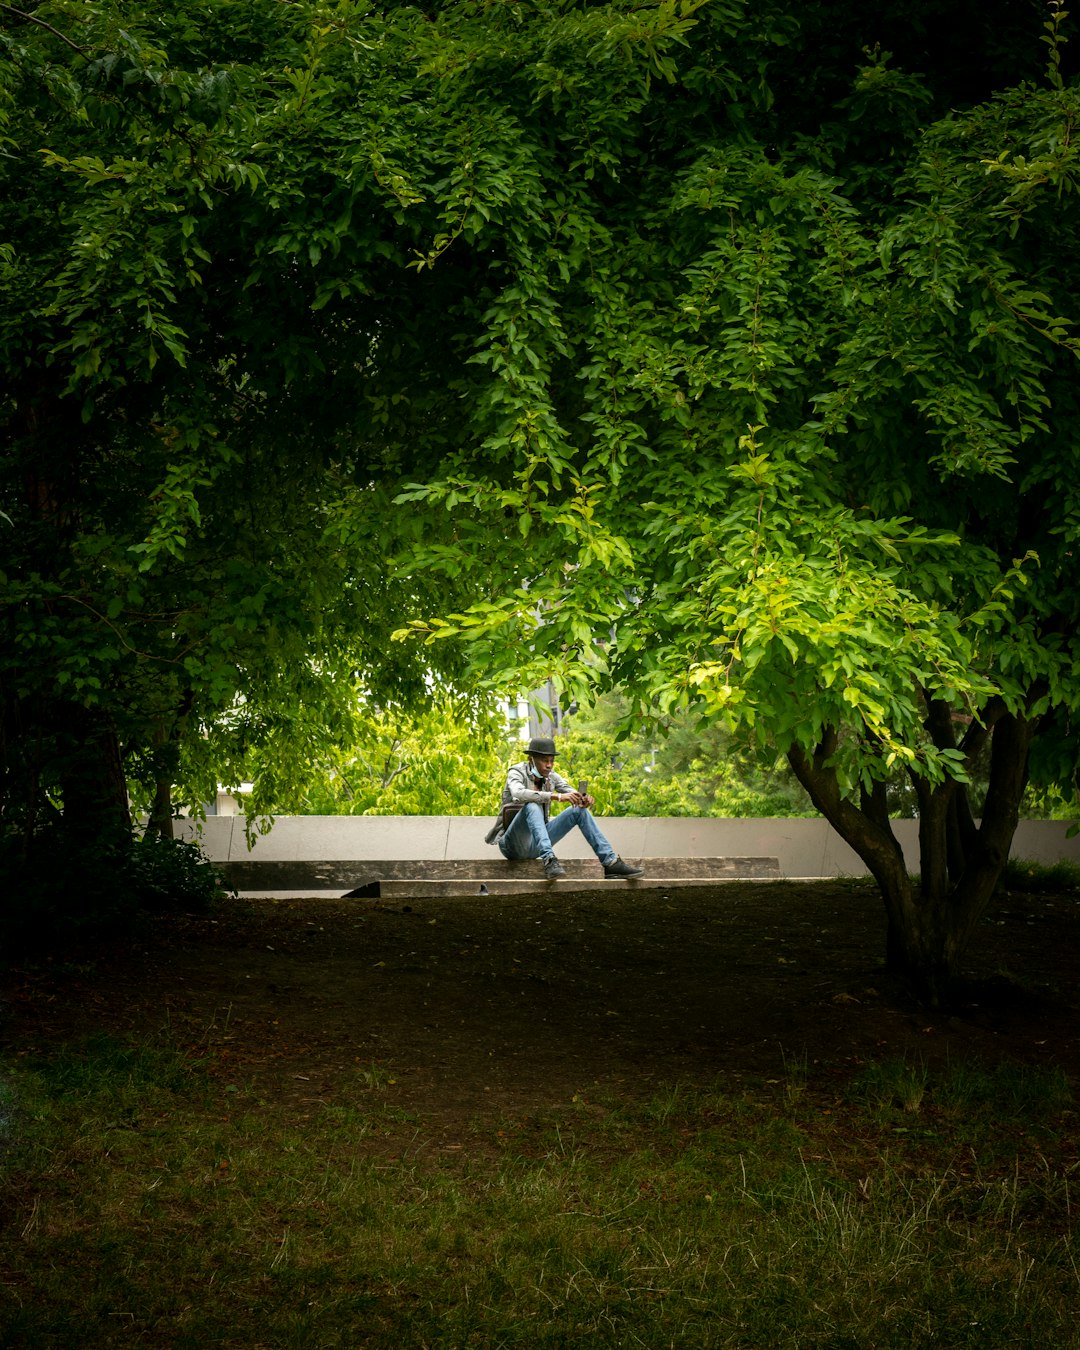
{"x":522,"y":787}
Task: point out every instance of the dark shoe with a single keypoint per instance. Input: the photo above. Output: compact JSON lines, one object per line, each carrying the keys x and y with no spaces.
{"x":622,"y":869}
{"x":553,"y":869}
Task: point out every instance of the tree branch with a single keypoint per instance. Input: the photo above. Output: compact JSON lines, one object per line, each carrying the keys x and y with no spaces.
{"x":870,"y":836}
{"x":32,"y":18}
{"x":975,"y":737}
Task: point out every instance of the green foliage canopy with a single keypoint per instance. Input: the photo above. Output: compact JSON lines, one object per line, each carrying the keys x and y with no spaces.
{"x":205,"y":348}
{"x":806,"y":430}
{"x":784,"y":409}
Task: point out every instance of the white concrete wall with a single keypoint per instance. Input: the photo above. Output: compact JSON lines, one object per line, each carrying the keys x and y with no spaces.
{"x":805,"y":848}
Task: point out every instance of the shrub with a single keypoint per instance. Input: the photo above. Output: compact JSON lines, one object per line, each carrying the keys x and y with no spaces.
{"x":62,"y":890}
{"x":1021,"y":874}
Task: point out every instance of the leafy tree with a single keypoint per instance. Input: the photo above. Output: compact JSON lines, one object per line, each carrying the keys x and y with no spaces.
{"x":788,"y":417}
{"x":677,"y":767}
{"x":189,"y":402}
{"x":448,"y":758}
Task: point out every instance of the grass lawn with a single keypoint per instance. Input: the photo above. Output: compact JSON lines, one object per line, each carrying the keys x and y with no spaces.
{"x":705,"y":1121}
{"x":144,"y":1205}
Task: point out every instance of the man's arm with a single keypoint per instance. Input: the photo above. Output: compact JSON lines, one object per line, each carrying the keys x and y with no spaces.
{"x":520,"y":787}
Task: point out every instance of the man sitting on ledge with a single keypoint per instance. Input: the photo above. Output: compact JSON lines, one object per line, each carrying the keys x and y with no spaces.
{"x":525,"y":829}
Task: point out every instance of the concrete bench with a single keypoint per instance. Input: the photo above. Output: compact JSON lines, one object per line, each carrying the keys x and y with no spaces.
{"x":372,"y":879}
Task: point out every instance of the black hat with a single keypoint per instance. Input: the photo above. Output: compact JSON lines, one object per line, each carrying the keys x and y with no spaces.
{"x":541,"y":745}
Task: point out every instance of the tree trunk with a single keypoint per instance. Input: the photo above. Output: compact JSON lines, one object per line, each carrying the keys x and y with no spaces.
{"x":92,"y":782}
{"x":867,"y":830}
{"x":929,"y":929}
{"x":165,"y":760}
{"x":961,"y":832}
{"x":161,"y":812}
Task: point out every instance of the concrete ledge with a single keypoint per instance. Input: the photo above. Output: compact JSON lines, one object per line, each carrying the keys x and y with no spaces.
{"x":803,"y":848}
{"x":496,"y":873}
{"x":414,"y":890}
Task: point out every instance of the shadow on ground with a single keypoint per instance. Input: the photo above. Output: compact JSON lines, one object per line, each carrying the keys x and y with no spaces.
{"x":468,"y":1009}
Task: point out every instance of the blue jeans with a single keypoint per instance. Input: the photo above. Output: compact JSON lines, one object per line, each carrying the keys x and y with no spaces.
{"x":530,"y":837}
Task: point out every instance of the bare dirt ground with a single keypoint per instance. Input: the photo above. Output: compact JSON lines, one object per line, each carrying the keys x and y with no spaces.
{"x":469,"y":1010}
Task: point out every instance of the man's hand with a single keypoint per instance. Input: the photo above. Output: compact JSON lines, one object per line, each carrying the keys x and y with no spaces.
{"x":574,"y":798}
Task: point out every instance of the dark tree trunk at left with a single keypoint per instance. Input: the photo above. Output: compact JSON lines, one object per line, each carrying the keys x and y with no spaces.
{"x":92,"y":782}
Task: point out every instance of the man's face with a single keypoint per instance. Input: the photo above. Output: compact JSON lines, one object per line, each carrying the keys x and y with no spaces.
{"x":544,"y":764}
